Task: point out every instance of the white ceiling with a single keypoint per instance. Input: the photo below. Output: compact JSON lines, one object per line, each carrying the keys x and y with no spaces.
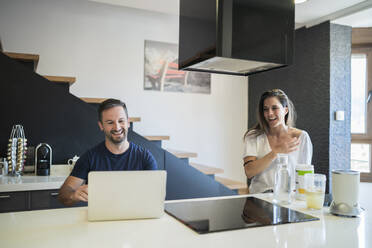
{"x":163,"y":6}
{"x":315,"y":9}
{"x":360,"y":19}
{"x":355,"y":13}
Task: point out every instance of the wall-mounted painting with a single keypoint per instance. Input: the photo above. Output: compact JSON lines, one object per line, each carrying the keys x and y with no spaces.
{"x":162,"y":74}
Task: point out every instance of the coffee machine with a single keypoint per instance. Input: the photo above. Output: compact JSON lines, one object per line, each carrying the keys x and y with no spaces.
{"x":43,"y":159}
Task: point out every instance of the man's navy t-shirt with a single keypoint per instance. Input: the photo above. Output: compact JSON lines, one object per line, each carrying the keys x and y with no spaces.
{"x":100,"y":158}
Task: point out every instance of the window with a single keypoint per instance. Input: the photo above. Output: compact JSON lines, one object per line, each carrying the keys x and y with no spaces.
{"x":358,"y":93}
{"x":361,"y":112}
{"x":361,"y":157}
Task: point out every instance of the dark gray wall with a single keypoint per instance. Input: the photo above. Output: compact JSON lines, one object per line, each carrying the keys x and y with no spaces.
{"x":314,"y":81}
{"x":51,"y":114}
{"x":47,"y":112}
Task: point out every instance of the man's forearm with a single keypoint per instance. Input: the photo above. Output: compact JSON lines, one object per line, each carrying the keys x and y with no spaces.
{"x":66,"y":195}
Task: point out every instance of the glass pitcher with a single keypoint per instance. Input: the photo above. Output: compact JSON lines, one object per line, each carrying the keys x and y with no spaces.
{"x":283,"y":181}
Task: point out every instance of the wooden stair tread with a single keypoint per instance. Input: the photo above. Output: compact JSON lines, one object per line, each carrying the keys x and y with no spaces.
{"x":134,"y":119}
{"x":182,"y":154}
{"x":231,"y":184}
{"x":156,"y":137}
{"x":60,"y":79}
{"x":93,"y":99}
{"x":26,"y":57}
{"x":100,"y":100}
{"x":207,"y":170}
{"x":23,"y":56}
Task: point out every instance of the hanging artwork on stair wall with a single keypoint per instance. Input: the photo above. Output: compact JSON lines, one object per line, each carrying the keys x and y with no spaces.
{"x":161,"y":71}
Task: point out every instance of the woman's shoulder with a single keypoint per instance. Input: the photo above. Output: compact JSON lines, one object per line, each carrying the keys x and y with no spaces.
{"x":254,"y":135}
{"x":295,"y":132}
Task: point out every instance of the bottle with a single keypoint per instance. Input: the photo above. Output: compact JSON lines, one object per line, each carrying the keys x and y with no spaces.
{"x":283,"y":181}
{"x":3,"y":166}
{"x":301,"y":170}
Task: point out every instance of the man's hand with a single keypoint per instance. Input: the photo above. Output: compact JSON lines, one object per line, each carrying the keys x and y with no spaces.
{"x":72,"y":191}
{"x":80,"y":194}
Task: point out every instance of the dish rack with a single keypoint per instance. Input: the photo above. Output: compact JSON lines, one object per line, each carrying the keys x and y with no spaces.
{"x":17,"y":149}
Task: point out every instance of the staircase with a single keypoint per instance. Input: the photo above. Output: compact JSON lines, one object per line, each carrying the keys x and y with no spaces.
{"x":31,"y":61}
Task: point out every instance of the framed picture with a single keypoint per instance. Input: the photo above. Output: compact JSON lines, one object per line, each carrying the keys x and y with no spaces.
{"x":161,"y":71}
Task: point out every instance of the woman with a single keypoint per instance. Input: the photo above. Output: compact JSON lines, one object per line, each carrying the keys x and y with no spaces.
{"x":274,"y":133}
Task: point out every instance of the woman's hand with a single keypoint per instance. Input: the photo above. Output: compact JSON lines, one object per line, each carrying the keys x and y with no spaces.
{"x":286,"y":145}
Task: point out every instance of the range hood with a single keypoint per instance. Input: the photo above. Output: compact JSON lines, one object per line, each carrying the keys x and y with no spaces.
{"x":238,"y":37}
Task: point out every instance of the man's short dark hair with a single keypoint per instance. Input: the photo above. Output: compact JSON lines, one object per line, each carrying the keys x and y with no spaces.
{"x":110,"y":103}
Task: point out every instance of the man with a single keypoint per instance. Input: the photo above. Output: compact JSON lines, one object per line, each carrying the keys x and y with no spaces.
{"x":114,"y":154}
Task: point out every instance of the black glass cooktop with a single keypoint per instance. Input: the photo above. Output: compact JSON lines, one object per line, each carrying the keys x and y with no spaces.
{"x":235,"y":213}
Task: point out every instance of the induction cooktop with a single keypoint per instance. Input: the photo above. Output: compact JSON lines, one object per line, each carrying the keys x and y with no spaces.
{"x":234,"y":213}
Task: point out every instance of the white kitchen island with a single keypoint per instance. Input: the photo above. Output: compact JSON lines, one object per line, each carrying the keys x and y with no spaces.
{"x":69,"y":228}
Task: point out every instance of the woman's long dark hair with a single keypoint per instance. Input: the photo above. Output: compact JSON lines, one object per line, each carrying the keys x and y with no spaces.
{"x":262,"y":126}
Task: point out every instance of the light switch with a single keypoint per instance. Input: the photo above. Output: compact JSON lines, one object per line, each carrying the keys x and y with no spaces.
{"x":340,"y":115}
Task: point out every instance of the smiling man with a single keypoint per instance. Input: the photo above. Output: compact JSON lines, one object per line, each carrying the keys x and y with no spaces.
{"x":113,"y":154}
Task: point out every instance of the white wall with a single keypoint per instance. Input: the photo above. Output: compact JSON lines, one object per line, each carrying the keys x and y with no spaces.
{"x":103,"y":47}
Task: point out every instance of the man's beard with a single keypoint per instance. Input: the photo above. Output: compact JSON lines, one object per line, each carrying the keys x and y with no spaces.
{"x":118,"y":140}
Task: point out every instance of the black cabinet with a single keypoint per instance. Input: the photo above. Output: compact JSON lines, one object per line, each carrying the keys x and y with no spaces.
{"x":13,"y":201}
{"x":44,"y":199}
{"x":31,"y":200}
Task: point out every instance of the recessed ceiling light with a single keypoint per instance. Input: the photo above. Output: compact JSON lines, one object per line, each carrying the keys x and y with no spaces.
{"x":299,"y":1}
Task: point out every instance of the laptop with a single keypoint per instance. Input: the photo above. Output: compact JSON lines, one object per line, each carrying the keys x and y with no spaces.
{"x":124,"y":195}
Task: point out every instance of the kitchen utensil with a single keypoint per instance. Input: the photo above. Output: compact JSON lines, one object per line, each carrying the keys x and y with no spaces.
{"x":301,"y":170}
{"x":345,"y":192}
{"x":17,"y":149}
{"x":43,"y":159}
{"x":282,"y":187}
{"x":314,"y":190}
{"x":3,"y":167}
{"x":73,"y":160}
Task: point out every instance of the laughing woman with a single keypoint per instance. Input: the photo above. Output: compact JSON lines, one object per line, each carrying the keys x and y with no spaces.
{"x":274,"y":133}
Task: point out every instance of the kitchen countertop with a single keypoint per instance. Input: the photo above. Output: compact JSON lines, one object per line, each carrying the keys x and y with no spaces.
{"x":69,"y":228}
{"x":58,"y":174}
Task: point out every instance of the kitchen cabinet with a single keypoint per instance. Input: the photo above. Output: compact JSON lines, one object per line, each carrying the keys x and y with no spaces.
{"x":31,"y":200}
{"x":13,"y":201}
{"x":44,"y":199}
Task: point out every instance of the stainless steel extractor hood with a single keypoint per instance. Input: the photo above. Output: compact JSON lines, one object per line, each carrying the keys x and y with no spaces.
{"x":238,"y":37}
